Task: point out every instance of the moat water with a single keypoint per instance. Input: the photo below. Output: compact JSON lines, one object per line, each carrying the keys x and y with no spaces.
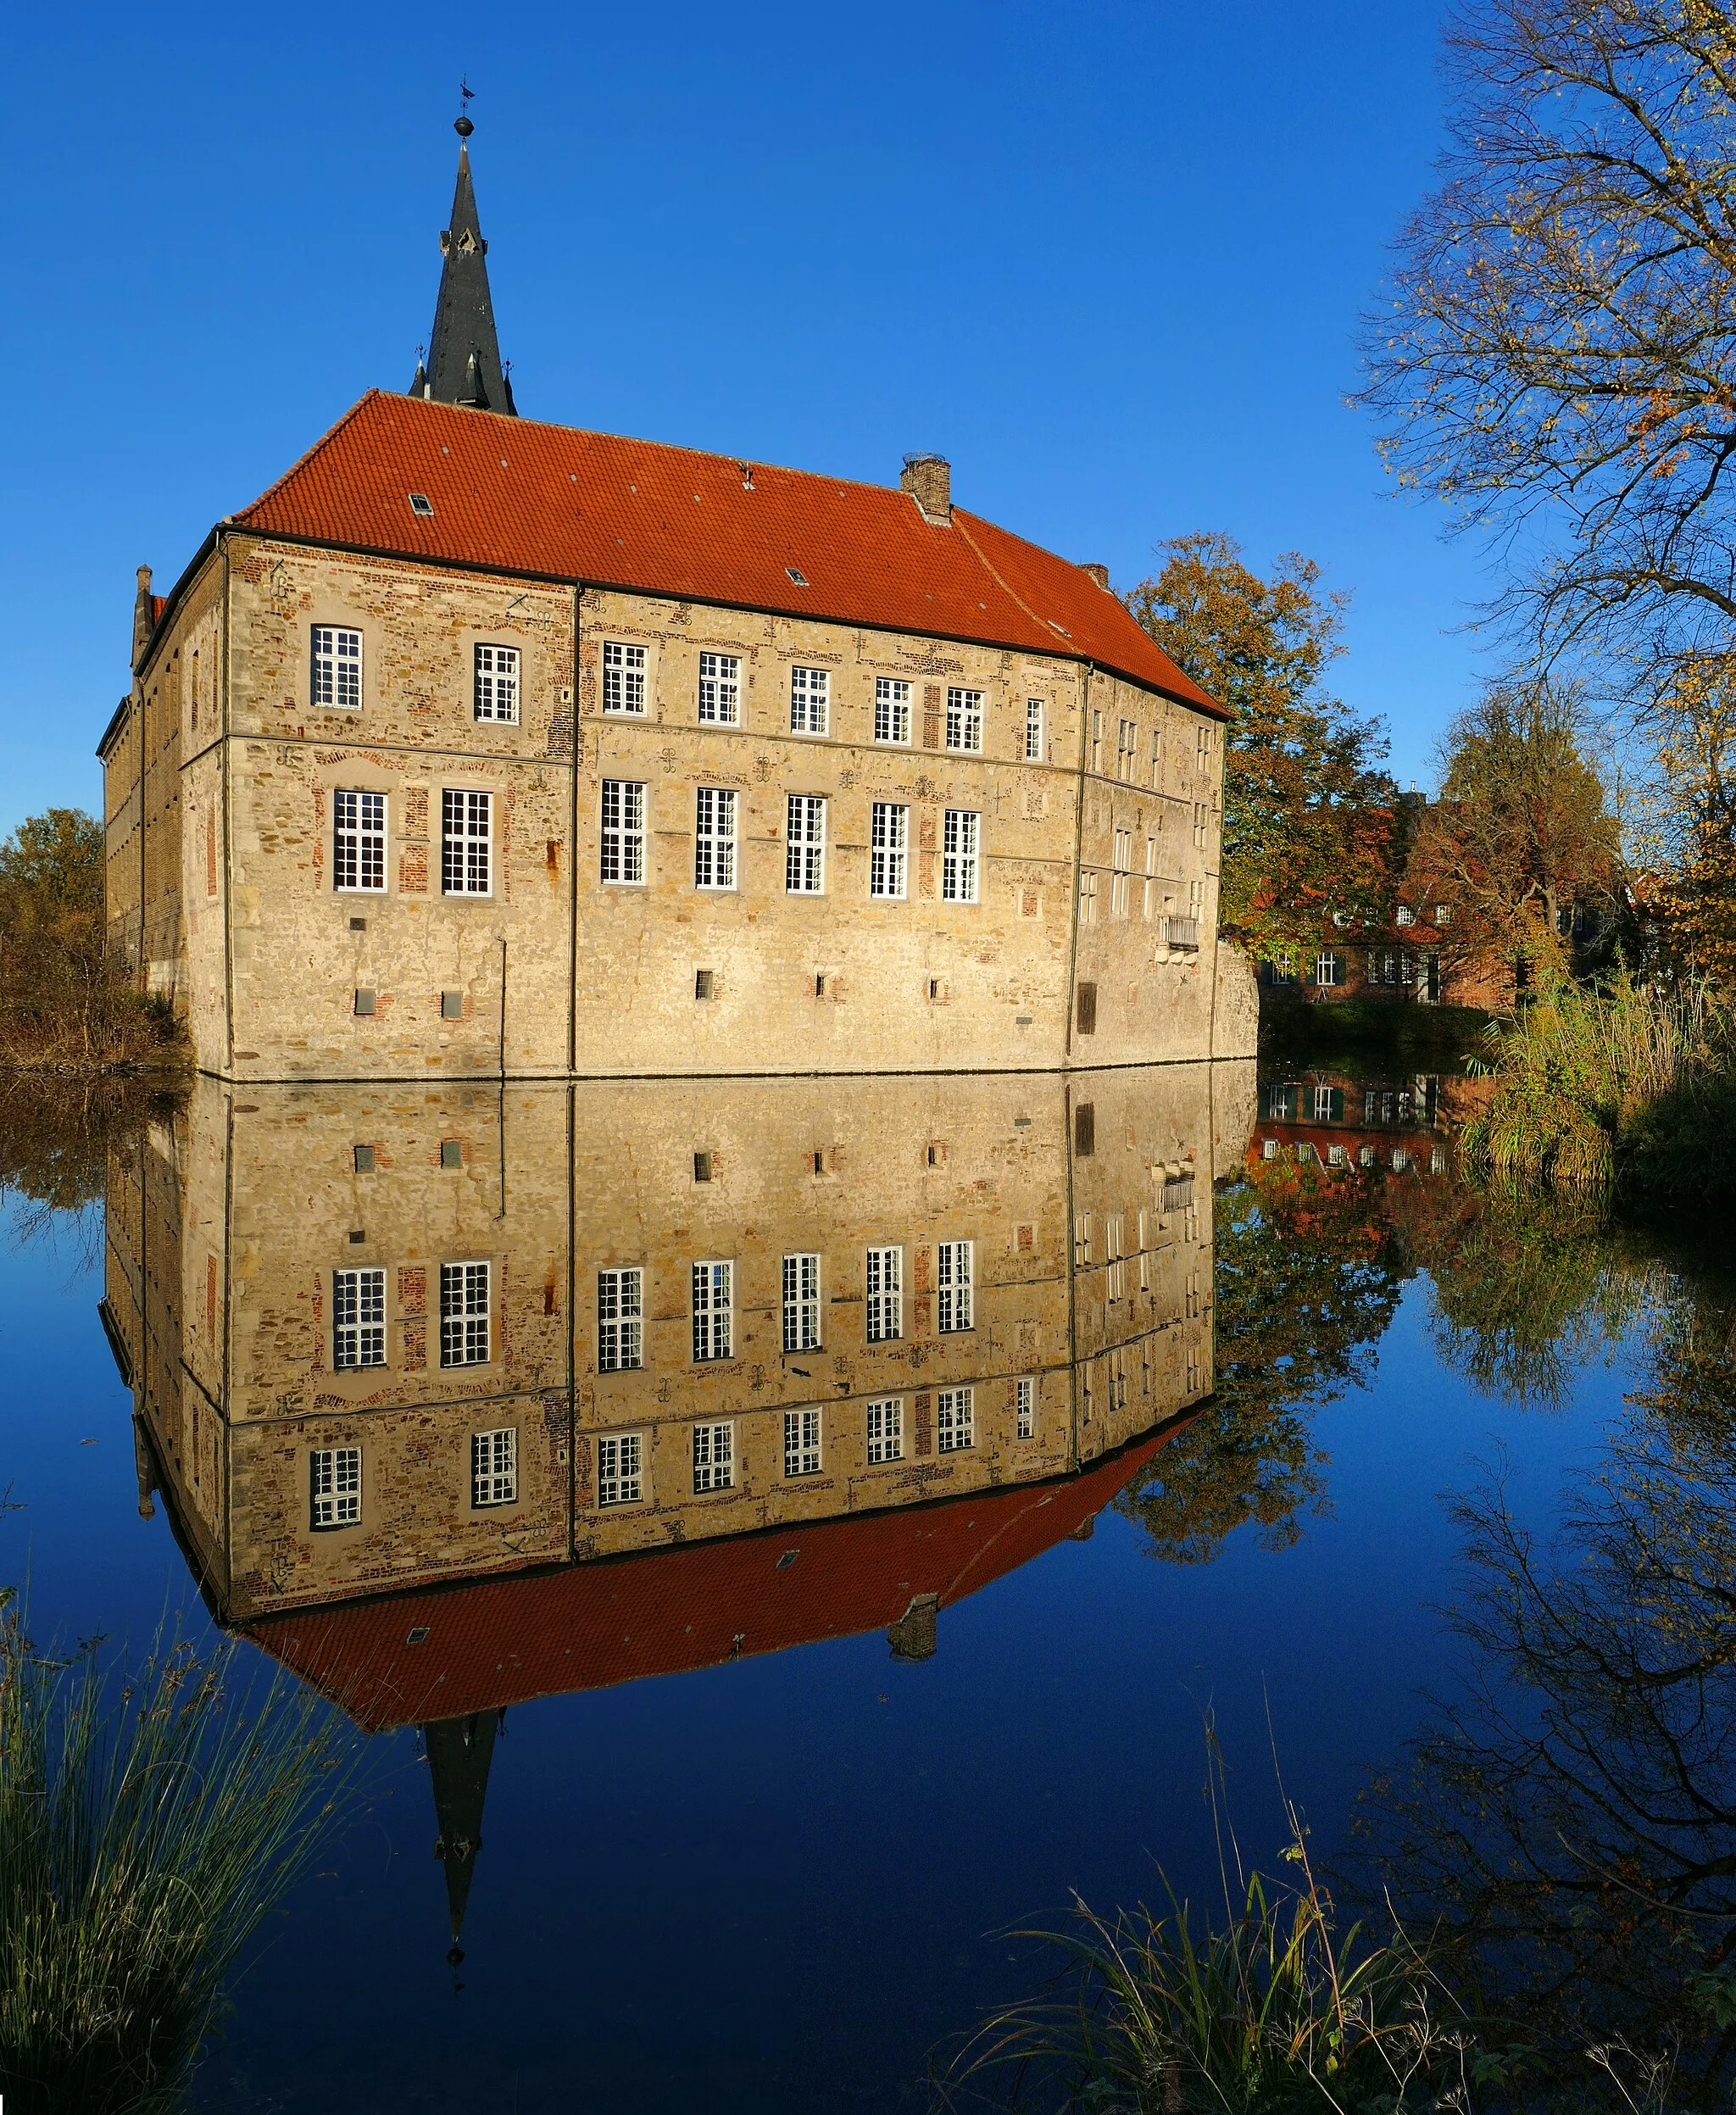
{"x":778,"y":1869}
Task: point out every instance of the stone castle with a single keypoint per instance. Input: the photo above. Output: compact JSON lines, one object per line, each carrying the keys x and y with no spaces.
{"x":478,"y":748}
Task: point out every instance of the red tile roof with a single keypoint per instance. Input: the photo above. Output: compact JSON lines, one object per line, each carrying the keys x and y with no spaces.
{"x":513,"y":496}
{"x":493,"y":1642}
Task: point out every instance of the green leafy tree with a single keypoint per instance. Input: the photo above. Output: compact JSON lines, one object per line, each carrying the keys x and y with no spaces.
{"x":51,"y":880}
{"x":1309,"y":820}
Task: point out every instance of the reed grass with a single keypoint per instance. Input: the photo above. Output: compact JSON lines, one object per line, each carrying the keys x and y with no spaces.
{"x":148,"y":1824}
{"x":1621,"y":1083}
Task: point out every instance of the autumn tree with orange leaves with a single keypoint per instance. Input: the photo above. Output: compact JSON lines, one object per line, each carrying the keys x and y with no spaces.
{"x":1309,"y":811}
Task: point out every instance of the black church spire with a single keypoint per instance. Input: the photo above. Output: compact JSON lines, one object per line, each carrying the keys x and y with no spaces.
{"x":464,"y":354}
{"x":460,"y":1751}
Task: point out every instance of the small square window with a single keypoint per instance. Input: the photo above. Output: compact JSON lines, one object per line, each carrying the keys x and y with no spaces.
{"x":452,"y":1006}
{"x":452,"y":1153}
{"x":365,"y":1160}
{"x":364,"y":1004}
{"x":704,"y":984}
{"x":422,"y":504}
{"x":358,"y":925}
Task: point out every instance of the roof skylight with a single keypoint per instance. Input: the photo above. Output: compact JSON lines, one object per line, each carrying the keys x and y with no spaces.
{"x":420,"y":503}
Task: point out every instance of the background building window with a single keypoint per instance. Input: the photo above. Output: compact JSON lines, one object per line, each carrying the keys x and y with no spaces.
{"x":358,"y":842}
{"x":494,"y":1467}
{"x":801,"y":1442}
{"x":952,"y":1280}
{"x":886,"y":1429}
{"x":496,"y":682}
{"x":1126,"y":744}
{"x":623,"y":831}
{"x":721,"y":688}
{"x":801,"y":1302}
{"x":886,"y":1296}
{"x":623,"y":677}
{"x":715,"y":837}
{"x":620,"y":1320}
{"x":888,"y":838}
{"x":1326,"y":967}
{"x":463,"y":1314}
{"x":714,"y":1318}
{"x":964,"y":719}
{"x":621,"y":1461}
{"x":338,"y":668}
{"x":811,"y":695}
{"x":335,"y":1483}
{"x":954,"y":1419}
{"x":892,"y":710}
{"x":466,"y":831}
{"x":804,"y":860}
{"x":957,"y":857}
{"x":358,"y":1319}
{"x":714,"y":1458}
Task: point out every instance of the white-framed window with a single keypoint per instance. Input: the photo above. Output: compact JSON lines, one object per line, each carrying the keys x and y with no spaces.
{"x":1112,"y":1241}
{"x":338,"y":668}
{"x":466,"y":841}
{"x":714,"y":1457}
{"x":885,"y":1285}
{"x":1088,"y":896}
{"x":1196,"y":900}
{"x":1096,"y":742}
{"x":886,"y":1429}
{"x":714,"y":837}
{"x":1200,"y":813}
{"x":810,"y":699}
{"x":1326,"y":967}
{"x":335,"y":1486}
{"x":1283,"y":967}
{"x":1150,"y":875}
{"x":964,"y":719}
{"x":358,"y":842}
{"x":1328,"y":1102}
{"x":1082,"y":1241}
{"x":962,"y":837}
{"x":1336,"y":1157}
{"x":892,"y":710}
{"x":952,"y":1285}
{"x":1025,"y":1407}
{"x":494,"y":1467}
{"x":1401,"y":1159}
{"x":624,"y":832}
{"x":954,"y":1419}
{"x":1405,"y":915}
{"x":801,"y":1302}
{"x":464,"y":1313}
{"x":713,"y":1312}
{"x":624,"y":674}
{"x":804,"y":849}
{"x":1126,"y":743}
{"x":1034,"y":730}
{"x":888,"y":855}
{"x":720,"y":689}
{"x":620,"y":1469}
{"x":1120,"y":889}
{"x":620,"y":1320}
{"x":358,"y":1319}
{"x":1444,"y":914}
{"x":495,"y":694}
{"x":801,"y":1442}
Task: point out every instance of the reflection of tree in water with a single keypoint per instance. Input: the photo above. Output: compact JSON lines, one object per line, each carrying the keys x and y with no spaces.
{"x":1307,"y":1276}
{"x":1526,"y":1288}
{"x":55,"y":1138}
{"x":1568,"y":1821}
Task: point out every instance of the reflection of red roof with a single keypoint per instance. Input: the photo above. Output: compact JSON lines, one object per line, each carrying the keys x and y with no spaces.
{"x":510,"y":495}
{"x":665,"y":1612}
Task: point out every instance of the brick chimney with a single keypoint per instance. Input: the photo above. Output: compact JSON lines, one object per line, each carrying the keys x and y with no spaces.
{"x":928,"y":479}
{"x":1099,"y":574}
{"x":144,"y":616}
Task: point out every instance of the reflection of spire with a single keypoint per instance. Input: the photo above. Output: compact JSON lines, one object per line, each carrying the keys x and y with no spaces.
{"x":145,"y":1464}
{"x":460,"y":1751}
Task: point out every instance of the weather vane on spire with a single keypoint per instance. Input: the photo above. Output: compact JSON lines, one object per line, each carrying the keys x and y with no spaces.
{"x":463,"y":127}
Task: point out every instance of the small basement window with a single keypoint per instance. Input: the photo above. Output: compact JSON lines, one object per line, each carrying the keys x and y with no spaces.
{"x":452,"y":1006}
{"x":420,"y":503}
{"x":704,"y":984}
{"x":702,"y":1167}
{"x":365,"y":1160}
{"x":364,"y":1002}
{"x":452,"y":1153}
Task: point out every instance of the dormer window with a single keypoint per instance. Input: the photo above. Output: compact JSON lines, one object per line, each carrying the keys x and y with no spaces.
{"x":1405,"y":915}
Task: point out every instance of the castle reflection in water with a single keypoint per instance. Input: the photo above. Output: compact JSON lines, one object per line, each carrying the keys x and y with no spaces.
{"x":463,"y":1397}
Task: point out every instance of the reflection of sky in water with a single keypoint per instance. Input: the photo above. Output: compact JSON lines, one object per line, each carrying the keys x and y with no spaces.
{"x":768,"y":1885}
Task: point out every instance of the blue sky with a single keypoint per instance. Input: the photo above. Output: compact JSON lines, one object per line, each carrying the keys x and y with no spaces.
{"x":1107,"y":257}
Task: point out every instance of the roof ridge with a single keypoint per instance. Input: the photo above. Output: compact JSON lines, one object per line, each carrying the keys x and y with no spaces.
{"x":307,"y":454}
{"x":733,"y":458}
